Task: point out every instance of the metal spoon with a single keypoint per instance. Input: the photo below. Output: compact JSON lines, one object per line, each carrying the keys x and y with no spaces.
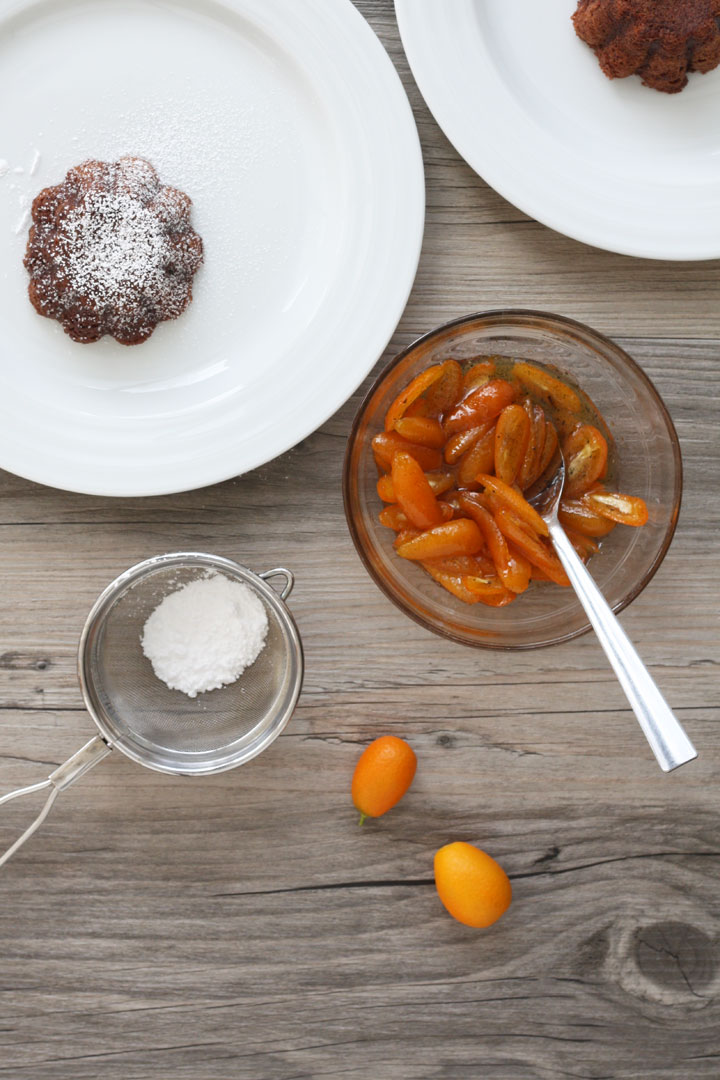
{"x":668,"y":741}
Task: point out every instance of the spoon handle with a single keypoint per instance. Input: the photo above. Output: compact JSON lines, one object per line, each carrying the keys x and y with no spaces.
{"x":663,"y":731}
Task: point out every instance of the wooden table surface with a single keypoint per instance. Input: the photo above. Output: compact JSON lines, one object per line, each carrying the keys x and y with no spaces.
{"x":243,"y":927}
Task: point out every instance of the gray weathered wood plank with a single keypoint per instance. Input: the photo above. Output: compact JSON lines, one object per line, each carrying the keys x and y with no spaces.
{"x":243,"y":926}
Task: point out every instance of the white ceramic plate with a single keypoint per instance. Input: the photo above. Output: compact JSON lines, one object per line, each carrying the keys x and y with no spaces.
{"x":285,"y":122}
{"x":611,"y":163}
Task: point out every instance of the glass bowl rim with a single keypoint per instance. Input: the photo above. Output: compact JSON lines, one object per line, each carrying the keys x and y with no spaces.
{"x":512,"y":317}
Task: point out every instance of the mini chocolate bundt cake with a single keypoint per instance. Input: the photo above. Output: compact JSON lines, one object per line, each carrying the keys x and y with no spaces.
{"x":112,"y":251}
{"x":659,"y":40}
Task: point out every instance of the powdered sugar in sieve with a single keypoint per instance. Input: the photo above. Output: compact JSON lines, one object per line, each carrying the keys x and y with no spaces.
{"x":205,"y":634}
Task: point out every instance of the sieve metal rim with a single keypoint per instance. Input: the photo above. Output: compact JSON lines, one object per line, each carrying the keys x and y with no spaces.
{"x":120,"y":585}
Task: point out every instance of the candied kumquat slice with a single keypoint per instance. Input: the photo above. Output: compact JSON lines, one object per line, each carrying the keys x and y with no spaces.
{"x":536,"y":380}
{"x":460,"y":443}
{"x":625,"y":509}
{"x":440,"y":481}
{"x":519,"y":572}
{"x":479,"y":565}
{"x":477,"y":375}
{"x":457,"y":537}
{"x":405,"y":535}
{"x":452,"y":582}
{"x":423,"y":430}
{"x":452,"y":498}
{"x":585,"y":451}
{"x":530,"y":468}
{"x":414,"y":495}
{"x":411,"y":393}
{"x":489,"y":590}
{"x":480,"y":406}
{"x":419,"y":407}
{"x":388,"y":443}
{"x":512,"y":436}
{"x":513,"y":571}
{"x":385,"y":488}
{"x":479,"y":498}
{"x":579,"y":515}
{"x":512,"y":498}
{"x":531,"y":546}
{"x":536,"y":574}
{"x":477,"y":460}
{"x":447,"y":390}
{"x":392,"y":517}
{"x":585,"y":546}
{"x":549,"y":448}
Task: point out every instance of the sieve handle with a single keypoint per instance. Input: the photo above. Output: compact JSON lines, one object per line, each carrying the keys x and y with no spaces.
{"x":66,"y":774}
{"x":280,"y":571}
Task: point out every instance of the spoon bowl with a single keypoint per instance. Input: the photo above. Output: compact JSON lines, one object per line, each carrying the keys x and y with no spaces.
{"x":545,"y":494}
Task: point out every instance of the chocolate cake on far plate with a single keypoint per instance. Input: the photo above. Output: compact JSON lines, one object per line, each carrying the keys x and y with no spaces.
{"x":111,"y":251}
{"x":659,"y":40}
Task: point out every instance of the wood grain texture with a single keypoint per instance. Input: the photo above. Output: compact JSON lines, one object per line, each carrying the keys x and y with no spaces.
{"x":243,"y":926}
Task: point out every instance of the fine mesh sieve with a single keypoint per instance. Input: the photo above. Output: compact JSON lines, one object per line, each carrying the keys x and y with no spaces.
{"x":161,"y":728}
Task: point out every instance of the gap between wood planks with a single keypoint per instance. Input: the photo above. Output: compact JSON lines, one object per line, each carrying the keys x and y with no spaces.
{"x":385,"y":883}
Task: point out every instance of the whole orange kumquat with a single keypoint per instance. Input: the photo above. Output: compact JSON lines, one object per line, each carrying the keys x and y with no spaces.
{"x":383,"y":774}
{"x":472,"y":886}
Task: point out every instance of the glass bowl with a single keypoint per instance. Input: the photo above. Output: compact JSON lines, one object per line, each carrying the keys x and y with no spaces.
{"x":648,"y":464}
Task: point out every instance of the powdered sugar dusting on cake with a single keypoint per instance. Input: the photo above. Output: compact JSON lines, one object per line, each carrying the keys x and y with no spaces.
{"x":112,"y":251}
{"x":111,"y":248}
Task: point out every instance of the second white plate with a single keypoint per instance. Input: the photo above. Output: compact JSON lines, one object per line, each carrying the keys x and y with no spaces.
{"x":286,"y":123}
{"x":611,"y":163}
